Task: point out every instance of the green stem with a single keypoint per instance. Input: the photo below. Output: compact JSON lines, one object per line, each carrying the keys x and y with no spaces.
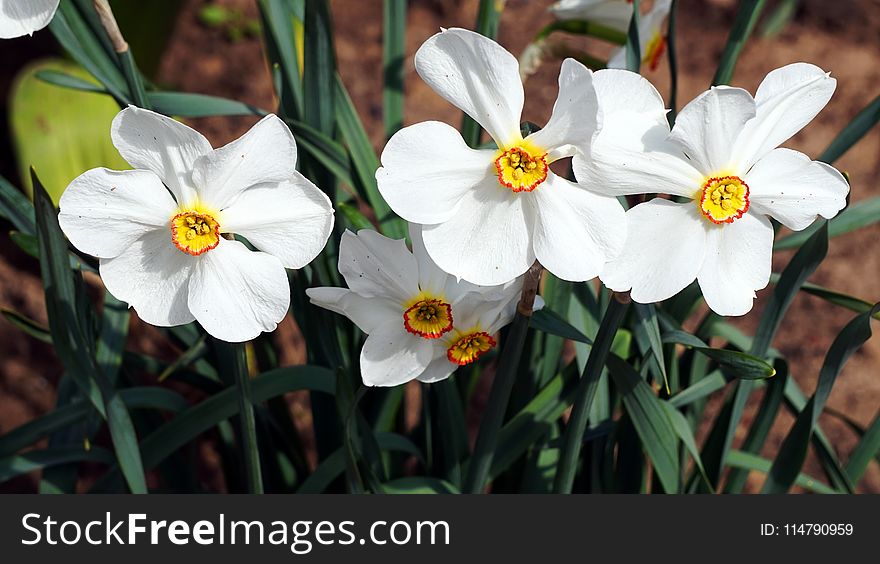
{"x":250,"y":452}
{"x":584,"y":28}
{"x":487,"y":438}
{"x":577,"y":423}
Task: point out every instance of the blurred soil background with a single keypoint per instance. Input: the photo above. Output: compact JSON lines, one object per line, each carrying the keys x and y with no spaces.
{"x":842,"y":37}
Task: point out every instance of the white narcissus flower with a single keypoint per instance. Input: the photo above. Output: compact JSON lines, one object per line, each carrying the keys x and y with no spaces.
{"x":612,"y":13}
{"x":652,"y":38}
{"x":163,"y":231}
{"x":489,"y":213}
{"x":24,"y":17}
{"x":722,"y":155}
{"x":421,"y":323}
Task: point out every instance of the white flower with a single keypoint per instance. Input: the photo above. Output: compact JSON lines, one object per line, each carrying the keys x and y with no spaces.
{"x":420,"y":322}
{"x":489,"y":213}
{"x":612,"y":13}
{"x":24,"y":17}
{"x":162,"y":247}
{"x":722,"y":155}
{"x":652,"y":38}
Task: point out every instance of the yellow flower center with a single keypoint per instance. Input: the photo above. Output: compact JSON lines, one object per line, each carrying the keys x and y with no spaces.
{"x":522,"y":168}
{"x":428,"y":318}
{"x":723,"y":199}
{"x":654,"y":50}
{"x":469,"y":347}
{"x":195,"y":232}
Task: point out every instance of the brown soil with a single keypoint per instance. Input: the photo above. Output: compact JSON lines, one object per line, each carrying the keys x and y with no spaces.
{"x":839,"y":36}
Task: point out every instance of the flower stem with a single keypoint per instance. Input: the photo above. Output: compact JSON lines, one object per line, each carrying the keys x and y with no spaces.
{"x":577,"y":423}
{"x":250,"y":452}
{"x":487,"y":438}
{"x":126,"y":60}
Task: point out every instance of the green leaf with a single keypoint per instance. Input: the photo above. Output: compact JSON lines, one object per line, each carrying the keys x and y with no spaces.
{"x":66,"y":80}
{"x":858,"y":215}
{"x":393,"y":54}
{"x":74,"y":34}
{"x":683,"y":429}
{"x":16,"y":208}
{"x":586,"y":392}
{"x":649,"y":325}
{"x":735,"y":363}
{"x":58,"y":131}
{"x":633,"y":47}
{"x":746,"y":17}
{"x":781,"y":16}
{"x":209,"y":413}
{"x":855,"y":130}
{"x":583,"y":27}
{"x":867,"y":449}
{"x":19,"y":464}
{"x":672,"y":57}
{"x":29,"y":326}
{"x":487,"y":25}
{"x":280,"y":24}
{"x":364,"y":162}
{"x":747,"y":461}
{"x":66,"y":318}
{"x":652,"y":423}
{"x":419,"y":485}
{"x":534,"y":420}
{"x":189,"y":105}
{"x":793,"y":452}
{"x":334,"y":465}
{"x":552,"y":323}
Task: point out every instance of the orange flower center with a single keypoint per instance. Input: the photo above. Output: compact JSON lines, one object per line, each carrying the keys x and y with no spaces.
{"x":522,"y":168}
{"x":723,"y":199}
{"x":195,"y":232}
{"x":428,"y":318}
{"x":469,"y":347}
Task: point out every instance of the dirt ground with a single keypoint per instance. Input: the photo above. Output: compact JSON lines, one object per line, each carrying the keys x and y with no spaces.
{"x":840,"y":36}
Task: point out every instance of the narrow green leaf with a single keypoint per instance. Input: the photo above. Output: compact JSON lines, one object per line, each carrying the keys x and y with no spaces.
{"x":858,"y":215}
{"x":867,"y":449}
{"x":652,"y":423}
{"x":66,"y":80}
{"x":15,"y":207}
{"x":793,"y":451}
{"x":419,"y":485}
{"x":746,"y":17}
{"x":551,"y":322}
{"x":189,"y":105}
{"x":779,"y":18}
{"x":672,"y":57}
{"x":280,"y":22}
{"x":393,"y":53}
{"x":855,"y":130}
{"x":747,"y":461}
{"x":647,"y":317}
{"x":583,"y":27}
{"x":487,"y":25}
{"x":586,"y":392}
{"x":683,"y":429}
{"x":19,"y":464}
{"x":633,"y":47}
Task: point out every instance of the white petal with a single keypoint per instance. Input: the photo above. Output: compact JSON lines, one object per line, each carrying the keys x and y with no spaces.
{"x":478,"y":76}
{"x":574,"y":120}
{"x":577,"y":231}
{"x":787,"y":100}
{"x":265,"y":154}
{"x":631,"y":153}
{"x":375,"y":266}
{"x":707,"y":128}
{"x":738,"y":257}
{"x":438,"y":369}
{"x":489,"y":240}
{"x":391,"y":356}
{"x":103,"y":212}
{"x":426,"y":168}
{"x":664,"y":249}
{"x":366,"y":313}
{"x":793,"y":189}
{"x":617,"y":60}
{"x":431,"y":278}
{"x":154,"y":142}
{"x":236,"y":294}
{"x":613,"y":13}
{"x":19,"y":17}
{"x":291,"y":220}
{"x":152,"y":276}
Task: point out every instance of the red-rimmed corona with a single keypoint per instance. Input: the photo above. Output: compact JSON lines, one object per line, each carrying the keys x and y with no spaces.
{"x":429,"y":318}
{"x":522,"y":168}
{"x":195,"y":232}
{"x":470,"y":346}
{"x":723,"y":199}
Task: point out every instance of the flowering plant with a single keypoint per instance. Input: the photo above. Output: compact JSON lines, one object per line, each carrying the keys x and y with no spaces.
{"x":544,"y":308}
